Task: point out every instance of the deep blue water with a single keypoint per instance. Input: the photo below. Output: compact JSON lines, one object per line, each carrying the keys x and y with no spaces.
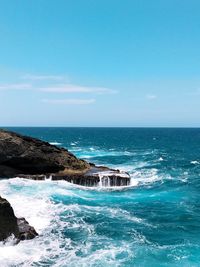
{"x":155,"y":222}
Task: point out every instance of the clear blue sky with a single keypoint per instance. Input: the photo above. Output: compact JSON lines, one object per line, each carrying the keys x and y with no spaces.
{"x":100,"y":63}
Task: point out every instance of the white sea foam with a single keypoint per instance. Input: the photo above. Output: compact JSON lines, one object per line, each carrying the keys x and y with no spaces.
{"x":92,"y":152}
{"x":149,"y":176}
{"x":75,"y":143}
{"x":28,"y":203}
{"x":55,"y":143}
{"x":100,"y":188}
{"x":36,"y":206}
{"x":195,"y":162}
{"x":32,"y":199}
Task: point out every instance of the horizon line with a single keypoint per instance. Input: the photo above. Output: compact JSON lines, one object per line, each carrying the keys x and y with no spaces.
{"x":165,"y":127}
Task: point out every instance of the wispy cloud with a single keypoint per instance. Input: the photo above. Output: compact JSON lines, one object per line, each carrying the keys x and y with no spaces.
{"x":151,"y":97}
{"x":72,"y":88}
{"x":54,"y":84}
{"x":68,"y":101}
{"x":15,"y":86}
{"x":43,"y":77}
{"x":57,"y":85}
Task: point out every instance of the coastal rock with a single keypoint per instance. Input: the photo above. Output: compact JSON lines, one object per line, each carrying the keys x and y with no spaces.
{"x":25,"y":155}
{"x":26,"y":231}
{"x":96,"y":176}
{"x":31,"y":158}
{"x":11,"y":225}
{"x":8,"y":221}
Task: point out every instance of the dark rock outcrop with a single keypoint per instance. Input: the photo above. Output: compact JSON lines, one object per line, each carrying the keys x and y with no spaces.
{"x":8,"y":221}
{"x":25,"y":155}
{"x":31,"y":158}
{"x":26,"y":231}
{"x":11,"y":225}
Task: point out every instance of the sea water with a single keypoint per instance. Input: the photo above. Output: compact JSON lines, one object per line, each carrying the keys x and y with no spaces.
{"x":153,"y":222}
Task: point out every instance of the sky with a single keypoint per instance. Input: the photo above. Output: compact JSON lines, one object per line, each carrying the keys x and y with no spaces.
{"x":127,"y":63}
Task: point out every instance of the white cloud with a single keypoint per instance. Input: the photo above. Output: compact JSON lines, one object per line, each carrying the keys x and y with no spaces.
{"x":72,"y":88}
{"x":151,"y":97}
{"x":68,"y":101}
{"x":41,"y":83}
{"x":15,"y":86}
{"x":43,"y":77}
{"x":54,"y":84}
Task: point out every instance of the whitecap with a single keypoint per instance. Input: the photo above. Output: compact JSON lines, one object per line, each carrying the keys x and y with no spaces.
{"x":195,"y":162}
{"x":55,"y":143}
{"x":72,"y":144}
{"x":148,"y":176}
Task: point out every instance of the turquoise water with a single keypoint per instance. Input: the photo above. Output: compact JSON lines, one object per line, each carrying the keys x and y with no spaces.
{"x":155,"y":222}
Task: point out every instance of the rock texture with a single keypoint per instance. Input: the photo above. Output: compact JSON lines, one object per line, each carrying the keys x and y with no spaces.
{"x":11,"y":225}
{"x":25,"y":155}
{"x":31,"y":158}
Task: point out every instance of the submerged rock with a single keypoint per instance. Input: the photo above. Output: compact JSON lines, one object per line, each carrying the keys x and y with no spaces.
{"x":31,"y":158}
{"x":11,"y":225}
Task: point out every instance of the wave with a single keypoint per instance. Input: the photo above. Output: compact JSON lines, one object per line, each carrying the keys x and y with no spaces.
{"x":91,"y":152}
{"x":47,"y":206}
{"x":74,"y":143}
{"x":195,"y":162}
{"x":55,"y":143}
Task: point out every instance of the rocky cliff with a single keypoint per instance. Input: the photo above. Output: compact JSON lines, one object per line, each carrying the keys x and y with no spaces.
{"x":25,"y":155}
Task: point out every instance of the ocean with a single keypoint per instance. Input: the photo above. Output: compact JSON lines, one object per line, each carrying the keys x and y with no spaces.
{"x":153,"y":222}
